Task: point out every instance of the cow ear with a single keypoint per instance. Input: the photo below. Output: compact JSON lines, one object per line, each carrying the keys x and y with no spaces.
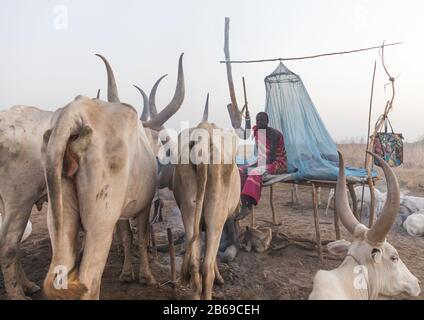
{"x":339,"y":247}
{"x":376,"y":255}
{"x":46,"y":136}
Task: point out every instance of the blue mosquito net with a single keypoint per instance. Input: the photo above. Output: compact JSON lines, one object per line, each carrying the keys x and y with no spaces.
{"x":311,"y":152}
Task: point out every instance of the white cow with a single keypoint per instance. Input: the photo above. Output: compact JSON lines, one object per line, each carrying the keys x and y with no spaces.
{"x":22,"y":186}
{"x":207,"y":194}
{"x":372,"y":267}
{"x":411,"y":204}
{"x":100,"y":168}
{"x":380,"y":198}
{"x":410,"y":209}
{"x":414,"y":224}
{"x":27,"y":232}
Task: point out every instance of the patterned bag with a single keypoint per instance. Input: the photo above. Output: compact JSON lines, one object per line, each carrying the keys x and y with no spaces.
{"x":389,"y":146}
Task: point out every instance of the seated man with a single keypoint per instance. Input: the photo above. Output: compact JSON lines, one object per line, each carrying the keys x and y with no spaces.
{"x":272,"y":159}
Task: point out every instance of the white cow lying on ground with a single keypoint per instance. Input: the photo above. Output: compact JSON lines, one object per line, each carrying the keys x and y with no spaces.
{"x":380,"y":197}
{"x":371,"y":268}
{"x":414,"y":224}
{"x":408,"y":205}
{"x":27,"y":232}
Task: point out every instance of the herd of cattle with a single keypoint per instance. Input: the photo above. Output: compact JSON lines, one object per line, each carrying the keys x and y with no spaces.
{"x":411,"y":208}
{"x":95,"y":163}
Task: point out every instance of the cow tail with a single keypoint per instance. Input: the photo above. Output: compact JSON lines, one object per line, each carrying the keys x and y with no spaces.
{"x":201,"y":180}
{"x":56,"y":148}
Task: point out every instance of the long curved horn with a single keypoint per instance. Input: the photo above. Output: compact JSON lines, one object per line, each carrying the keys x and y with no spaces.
{"x":146,"y":113}
{"x":112,"y":90}
{"x":382,"y":226}
{"x":174,"y":105}
{"x":152,"y":98}
{"x":342,"y":207}
{"x":206,"y":111}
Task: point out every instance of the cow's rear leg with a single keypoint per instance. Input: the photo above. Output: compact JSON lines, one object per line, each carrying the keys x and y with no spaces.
{"x":13,"y":227}
{"x":208,"y":267}
{"x":195,"y":270}
{"x":125,"y":234}
{"x":190,"y":270}
{"x":96,"y":249}
{"x":145,"y":276}
{"x":28,"y":286}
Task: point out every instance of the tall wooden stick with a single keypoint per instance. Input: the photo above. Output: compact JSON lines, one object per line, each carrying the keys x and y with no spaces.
{"x":172,"y":255}
{"x":316,"y":221}
{"x":378,"y":126}
{"x":228,"y":61}
{"x":233,"y":110}
{"x":271,"y":202}
{"x":245,"y":96}
{"x":368,"y":141}
{"x":153,"y":240}
{"x":336,"y":225}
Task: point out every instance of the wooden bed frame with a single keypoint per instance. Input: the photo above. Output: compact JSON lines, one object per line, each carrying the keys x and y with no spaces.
{"x":315,"y":184}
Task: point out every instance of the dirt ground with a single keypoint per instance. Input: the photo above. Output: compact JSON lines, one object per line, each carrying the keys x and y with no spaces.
{"x":284,"y":273}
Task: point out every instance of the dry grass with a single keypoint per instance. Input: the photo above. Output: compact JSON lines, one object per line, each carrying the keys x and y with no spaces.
{"x":410,"y":174}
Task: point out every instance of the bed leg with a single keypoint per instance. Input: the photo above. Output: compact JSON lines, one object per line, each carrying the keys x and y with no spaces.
{"x":271,"y":202}
{"x":316,"y":218}
{"x":336,"y":225}
{"x":354,"y":201}
{"x":252,"y":218}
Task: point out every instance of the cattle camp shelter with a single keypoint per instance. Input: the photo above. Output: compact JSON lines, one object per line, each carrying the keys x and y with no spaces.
{"x":311,"y":152}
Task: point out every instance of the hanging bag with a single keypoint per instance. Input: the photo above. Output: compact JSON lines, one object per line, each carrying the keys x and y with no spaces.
{"x":389,"y":146}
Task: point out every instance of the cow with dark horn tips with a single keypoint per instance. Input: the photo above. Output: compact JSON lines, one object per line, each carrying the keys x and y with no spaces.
{"x":372,"y":268}
{"x":207,"y":191}
{"x":100,"y":168}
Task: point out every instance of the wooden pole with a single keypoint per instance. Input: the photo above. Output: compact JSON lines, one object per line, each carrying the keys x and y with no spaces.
{"x":153,"y":240}
{"x":319,"y":196}
{"x":354,"y":200}
{"x":252,"y":218}
{"x":233,"y":110}
{"x":245,"y":109}
{"x":245,"y":96}
{"x":378,"y":126}
{"x":271,"y":202}
{"x":316,"y":220}
{"x":368,"y":144}
{"x":336,"y":225}
{"x":228,"y":61}
{"x":172,"y":256}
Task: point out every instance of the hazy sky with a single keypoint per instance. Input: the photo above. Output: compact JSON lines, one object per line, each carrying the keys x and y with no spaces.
{"x":46,"y":65}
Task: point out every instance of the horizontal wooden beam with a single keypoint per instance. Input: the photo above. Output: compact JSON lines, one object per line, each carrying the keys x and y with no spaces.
{"x":313,"y":56}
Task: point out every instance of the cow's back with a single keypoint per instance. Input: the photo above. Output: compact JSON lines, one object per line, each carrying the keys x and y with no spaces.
{"x":21,"y":138}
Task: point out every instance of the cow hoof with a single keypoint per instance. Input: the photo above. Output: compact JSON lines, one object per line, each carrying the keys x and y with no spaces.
{"x":19,"y":297}
{"x":196,"y":296}
{"x":31,"y":288}
{"x":147,"y":280}
{"x":127,"y":277}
